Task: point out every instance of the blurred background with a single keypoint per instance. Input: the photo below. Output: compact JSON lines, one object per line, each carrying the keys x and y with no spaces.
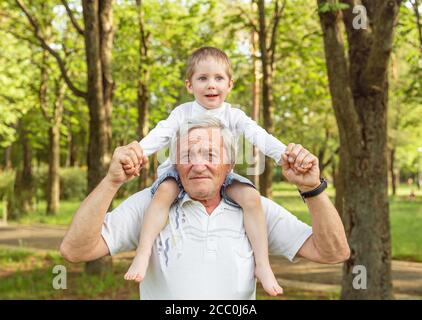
{"x":342,"y":78}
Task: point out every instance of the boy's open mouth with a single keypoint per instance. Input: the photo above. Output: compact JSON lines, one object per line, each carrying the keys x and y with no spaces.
{"x":211,"y":95}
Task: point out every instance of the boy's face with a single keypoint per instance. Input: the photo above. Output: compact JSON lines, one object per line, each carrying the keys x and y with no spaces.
{"x":210,"y":83}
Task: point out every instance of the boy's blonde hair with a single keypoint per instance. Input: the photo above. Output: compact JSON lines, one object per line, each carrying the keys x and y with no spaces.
{"x":204,"y":53}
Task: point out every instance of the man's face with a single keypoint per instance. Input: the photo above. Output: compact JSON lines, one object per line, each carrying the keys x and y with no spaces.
{"x":201,"y":163}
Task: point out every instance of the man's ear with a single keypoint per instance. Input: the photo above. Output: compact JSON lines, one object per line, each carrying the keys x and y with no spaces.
{"x":188,"y":86}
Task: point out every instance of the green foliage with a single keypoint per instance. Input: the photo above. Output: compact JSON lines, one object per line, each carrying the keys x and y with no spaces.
{"x":28,"y":275}
{"x":73,"y":182}
{"x":332,"y":7}
{"x":7,"y":179}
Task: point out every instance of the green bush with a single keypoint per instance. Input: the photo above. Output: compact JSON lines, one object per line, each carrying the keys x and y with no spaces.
{"x":73,"y":182}
{"x":7,"y":179}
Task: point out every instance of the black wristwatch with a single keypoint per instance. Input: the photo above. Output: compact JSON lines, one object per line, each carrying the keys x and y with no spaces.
{"x":316,"y":191}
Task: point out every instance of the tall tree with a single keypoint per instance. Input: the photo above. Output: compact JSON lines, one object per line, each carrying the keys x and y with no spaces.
{"x":143,"y":94}
{"x":98,"y":36}
{"x":267,"y":44}
{"x":256,"y":93}
{"x":22,"y":202}
{"x":359,"y":90}
{"x":53,"y":115}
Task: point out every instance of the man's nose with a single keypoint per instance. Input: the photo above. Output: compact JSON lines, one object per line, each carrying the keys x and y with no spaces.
{"x":198,"y":163}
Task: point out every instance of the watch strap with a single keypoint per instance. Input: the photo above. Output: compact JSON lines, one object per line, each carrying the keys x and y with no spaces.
{"x":312,"y":193}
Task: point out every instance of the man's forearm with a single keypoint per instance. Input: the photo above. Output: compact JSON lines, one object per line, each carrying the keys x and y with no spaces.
{"x":328,"y":232}
{"x":85,"y":229}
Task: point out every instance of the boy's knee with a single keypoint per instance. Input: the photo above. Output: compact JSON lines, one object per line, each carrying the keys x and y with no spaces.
{"x":168,"y":186}
{"x":246,"y":196}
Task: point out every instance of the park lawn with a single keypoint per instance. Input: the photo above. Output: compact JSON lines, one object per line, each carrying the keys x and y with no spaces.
{"x":405,"y":217}
{"x":29,"y":275}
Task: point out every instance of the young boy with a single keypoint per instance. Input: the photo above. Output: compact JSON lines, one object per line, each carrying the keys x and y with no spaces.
{"x":209,"y":79}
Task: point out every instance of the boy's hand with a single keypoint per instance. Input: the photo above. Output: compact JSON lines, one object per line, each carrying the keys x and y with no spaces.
{"x":134,"y":161}
{"x":305,"y":179}
{"x":299,"y":158}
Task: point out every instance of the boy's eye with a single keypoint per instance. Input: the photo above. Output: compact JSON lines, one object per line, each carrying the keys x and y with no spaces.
{"x":202,"y":78}
{"x":220,"y":78}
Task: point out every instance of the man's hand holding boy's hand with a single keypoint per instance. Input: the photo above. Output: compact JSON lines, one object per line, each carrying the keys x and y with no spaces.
{"x":126,"y":163}
{"x":300,"y":167}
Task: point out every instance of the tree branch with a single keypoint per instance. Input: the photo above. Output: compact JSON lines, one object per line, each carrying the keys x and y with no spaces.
{"x":44,"y":44}
{"x":338,"y":76}
{"x":43,"y":89}
{"x":375,"y":72}
{"x":358,"y":40}
{"x":415,"y":5}
{"x":72,"y":18}
{"x":277,"y":16}
{"x":21,"y":37}
{"x":251,"y":22}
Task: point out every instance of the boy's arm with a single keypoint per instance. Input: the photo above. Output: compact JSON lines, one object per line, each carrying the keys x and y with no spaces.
{"x":164,"y":131}
{"x":259,"y":137}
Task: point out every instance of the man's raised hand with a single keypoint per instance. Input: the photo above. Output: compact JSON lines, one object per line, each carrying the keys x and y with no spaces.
{"x":300,"y":167}
{"x":126,"y":163}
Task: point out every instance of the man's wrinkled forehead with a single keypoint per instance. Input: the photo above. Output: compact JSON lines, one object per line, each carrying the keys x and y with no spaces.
{"x":207,"y":138}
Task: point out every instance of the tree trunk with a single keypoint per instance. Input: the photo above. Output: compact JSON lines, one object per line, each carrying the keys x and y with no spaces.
{"x":265,"y":180}
{"x":8,"y":158}
{"x":21,"y":201}
{"x":255,"y":100}
{"x":53,"y":188}
{"x":72,"y":148}
{"x":359,"y":92}
{"x":98,"y":48}
{"x":392,"y":171}
{"x":143,"y":94}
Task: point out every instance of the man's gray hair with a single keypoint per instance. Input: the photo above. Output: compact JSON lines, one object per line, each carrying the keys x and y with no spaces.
{"x":205,"y":122}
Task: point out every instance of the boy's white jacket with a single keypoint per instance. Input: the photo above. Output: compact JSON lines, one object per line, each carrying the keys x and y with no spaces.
{"x":233,"y":118}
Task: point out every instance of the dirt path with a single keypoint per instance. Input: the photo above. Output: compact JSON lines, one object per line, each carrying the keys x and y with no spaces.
{"x":304,"y":275}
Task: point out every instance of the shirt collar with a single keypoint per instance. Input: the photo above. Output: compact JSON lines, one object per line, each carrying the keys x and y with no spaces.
{"x":186,"y":198}
{"x":216,"y":110}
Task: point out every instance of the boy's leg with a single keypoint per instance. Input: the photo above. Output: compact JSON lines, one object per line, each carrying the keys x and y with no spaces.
{"x":155,"y":220}
{"x":256,"y":228}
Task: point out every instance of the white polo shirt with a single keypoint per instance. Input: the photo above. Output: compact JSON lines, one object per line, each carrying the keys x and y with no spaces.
{"x":197,"y":255}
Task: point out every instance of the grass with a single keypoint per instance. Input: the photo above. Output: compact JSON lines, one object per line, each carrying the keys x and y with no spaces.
{"x":29,"y":275}
{"x":63,"y":218}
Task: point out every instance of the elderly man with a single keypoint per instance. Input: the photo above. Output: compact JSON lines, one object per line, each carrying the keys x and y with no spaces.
{"x":203,"y":252}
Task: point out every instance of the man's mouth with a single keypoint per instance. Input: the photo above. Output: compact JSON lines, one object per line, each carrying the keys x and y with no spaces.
{"x":198,"y":178}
